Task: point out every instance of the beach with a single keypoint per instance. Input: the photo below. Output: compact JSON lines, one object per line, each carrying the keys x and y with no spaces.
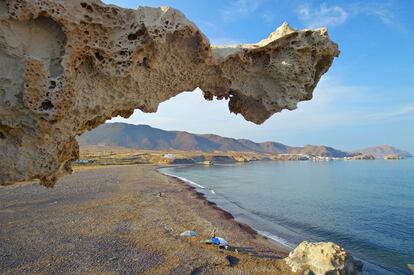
{"x":124,"y":219}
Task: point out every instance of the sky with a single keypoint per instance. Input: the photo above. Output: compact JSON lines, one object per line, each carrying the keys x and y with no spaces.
{"x":365,"y":99}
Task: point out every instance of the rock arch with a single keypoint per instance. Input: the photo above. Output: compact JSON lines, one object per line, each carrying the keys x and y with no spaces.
{"x":67,"y":66}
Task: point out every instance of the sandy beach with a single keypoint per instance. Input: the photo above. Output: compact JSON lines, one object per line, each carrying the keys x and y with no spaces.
{"x":113,"y":220}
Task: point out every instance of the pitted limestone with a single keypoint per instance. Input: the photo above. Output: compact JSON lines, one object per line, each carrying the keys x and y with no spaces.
{"x":67,"y":66}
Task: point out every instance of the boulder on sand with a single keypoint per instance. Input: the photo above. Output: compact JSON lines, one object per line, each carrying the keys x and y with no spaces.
{"x":322,"y":258}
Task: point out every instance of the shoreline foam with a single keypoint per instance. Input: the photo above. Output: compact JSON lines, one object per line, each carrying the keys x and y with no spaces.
{"x":181,"y":179}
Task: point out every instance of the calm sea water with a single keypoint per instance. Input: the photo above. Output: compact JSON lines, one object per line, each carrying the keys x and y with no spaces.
{"x":365,"y":206}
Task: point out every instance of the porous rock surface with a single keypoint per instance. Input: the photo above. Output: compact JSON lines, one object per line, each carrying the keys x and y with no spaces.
{"x":322,"y":258}
{"x":67,"y":66}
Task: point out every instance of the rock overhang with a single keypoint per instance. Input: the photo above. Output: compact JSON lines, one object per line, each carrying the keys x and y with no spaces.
{"x":68,"y":66}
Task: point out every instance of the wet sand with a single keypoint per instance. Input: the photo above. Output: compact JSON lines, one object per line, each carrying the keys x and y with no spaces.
{"x":112,"y":220}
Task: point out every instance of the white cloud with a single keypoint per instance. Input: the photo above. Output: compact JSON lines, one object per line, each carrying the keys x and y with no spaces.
{"x":188,"y":111}
{"x":323,"y":16}
{"x":268,"y":17}
{"x":335,"y":15}
{"x":384,"y":11}
{"x":240,"y":8}
{"x":224,"y":41}
{"x":334,"y":105}
{"x":390,"y":114}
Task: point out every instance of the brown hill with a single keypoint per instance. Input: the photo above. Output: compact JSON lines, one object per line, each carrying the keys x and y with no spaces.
{"x":149,"y":138}
{"x":320,"y":150}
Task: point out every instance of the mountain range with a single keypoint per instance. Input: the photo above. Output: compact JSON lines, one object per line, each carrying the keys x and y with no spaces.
{"x":149,"y":138}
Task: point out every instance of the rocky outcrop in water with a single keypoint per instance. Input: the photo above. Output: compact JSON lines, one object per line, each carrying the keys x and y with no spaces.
{"x":322,"y":258}
{"x":67,"y":66}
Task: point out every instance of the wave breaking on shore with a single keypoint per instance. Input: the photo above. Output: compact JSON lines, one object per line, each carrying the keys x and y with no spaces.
{"x":182,"y":179}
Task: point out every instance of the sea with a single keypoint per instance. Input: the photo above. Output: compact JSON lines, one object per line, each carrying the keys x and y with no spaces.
{"x":366,"y":206}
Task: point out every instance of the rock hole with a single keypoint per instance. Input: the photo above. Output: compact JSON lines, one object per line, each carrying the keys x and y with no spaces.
{"x":145,"y":62}
{"x":83,"y":5}
{"x":99,"y":56}
{"x":88,"y":18}
{"x":2,"y":136}
{"x":140,"y":32}
{"x":132,"y":36}
{"x":52,"y":84}
{"x":47,"y":105}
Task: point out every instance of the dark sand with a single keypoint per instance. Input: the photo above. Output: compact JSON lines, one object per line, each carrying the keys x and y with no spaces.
{"x":110,"y":220}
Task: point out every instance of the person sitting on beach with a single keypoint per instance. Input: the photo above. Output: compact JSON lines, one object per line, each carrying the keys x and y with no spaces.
{"x":213,"y":233}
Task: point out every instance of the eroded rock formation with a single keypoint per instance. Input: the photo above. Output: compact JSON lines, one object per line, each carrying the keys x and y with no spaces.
{"x":67,"y":66}
{"x":322,"y":258}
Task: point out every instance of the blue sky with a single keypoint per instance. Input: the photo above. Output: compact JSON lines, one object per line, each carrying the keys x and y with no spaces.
{"x":366,"y":98}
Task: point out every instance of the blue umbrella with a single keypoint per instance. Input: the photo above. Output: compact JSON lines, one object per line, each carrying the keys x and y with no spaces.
{"x":219,"y":241}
